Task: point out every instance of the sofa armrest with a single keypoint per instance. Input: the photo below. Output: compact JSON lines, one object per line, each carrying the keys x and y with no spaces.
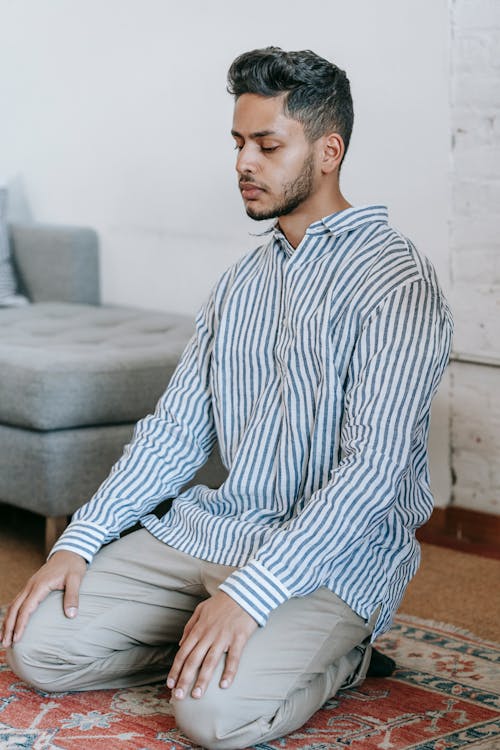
{"x":56,"y":263}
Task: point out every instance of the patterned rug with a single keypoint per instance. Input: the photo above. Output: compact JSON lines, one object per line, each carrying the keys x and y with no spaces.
{"x":444,"y":695}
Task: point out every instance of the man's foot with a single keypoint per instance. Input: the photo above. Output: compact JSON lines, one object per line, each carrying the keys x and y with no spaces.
{"x":380,"y":665}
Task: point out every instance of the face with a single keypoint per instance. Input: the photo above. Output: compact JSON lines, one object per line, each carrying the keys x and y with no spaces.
{"x":276,"y":164}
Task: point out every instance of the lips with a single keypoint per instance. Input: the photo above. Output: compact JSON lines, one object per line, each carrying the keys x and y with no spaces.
{"x":250,"y":191}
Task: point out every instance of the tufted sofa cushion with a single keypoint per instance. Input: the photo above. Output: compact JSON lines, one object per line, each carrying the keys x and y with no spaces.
{"x":68,"y":365}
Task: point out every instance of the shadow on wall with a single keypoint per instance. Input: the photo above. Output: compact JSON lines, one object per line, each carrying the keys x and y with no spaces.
{"x":18,"y":206}
{"x":439,"y":444}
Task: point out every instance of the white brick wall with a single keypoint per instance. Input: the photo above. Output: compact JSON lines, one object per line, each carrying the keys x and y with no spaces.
{"x":475,"y":251}
{"x":475,"y":436}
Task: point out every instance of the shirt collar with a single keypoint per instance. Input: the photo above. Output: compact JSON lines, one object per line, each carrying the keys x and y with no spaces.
{"x":349,"y":219}
{"x":339,"y":222}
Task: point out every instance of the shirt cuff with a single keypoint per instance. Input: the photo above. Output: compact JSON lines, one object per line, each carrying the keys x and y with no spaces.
{"x":81,"y":537}
{"x":256,"y":590}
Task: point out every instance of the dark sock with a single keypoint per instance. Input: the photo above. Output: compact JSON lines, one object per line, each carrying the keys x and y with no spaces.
{"x":380,"y":665}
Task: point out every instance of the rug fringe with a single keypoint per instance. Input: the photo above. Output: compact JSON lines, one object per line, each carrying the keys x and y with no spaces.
{"x":455,"y":629}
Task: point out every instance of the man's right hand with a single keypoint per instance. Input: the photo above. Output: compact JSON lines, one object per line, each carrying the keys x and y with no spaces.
{"x":64,"y":571}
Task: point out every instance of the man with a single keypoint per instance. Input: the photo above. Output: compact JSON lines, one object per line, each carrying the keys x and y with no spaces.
{"x":314,"y":364}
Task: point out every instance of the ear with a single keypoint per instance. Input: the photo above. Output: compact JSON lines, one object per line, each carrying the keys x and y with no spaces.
{"x":332,"y":152}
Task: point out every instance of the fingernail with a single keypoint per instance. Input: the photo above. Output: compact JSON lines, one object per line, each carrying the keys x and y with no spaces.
{"x":224,"y":684}
{"x":179,"y":693}
{"x":196,"y":692}
{"x":16,"y":636}
{"x":170,"y":682}
{"x":71,"y":612}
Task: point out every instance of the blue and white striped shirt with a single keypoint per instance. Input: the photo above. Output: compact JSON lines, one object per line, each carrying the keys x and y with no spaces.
{"x":314,"y":369}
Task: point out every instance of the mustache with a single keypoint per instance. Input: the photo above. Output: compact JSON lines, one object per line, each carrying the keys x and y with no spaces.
{"x":249,"y":180}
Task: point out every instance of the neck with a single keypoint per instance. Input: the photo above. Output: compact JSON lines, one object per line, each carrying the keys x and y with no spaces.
{"x":294,"y":225}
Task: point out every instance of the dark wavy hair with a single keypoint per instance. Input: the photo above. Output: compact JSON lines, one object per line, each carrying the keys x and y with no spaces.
{"x":318,"y":93}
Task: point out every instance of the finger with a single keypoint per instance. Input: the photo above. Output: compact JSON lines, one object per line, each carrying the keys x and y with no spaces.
{"x":178,"y":663}
{"x":70,"y":598}
{"x":212,"y":658}
{"x":10,"y":619}
{"x":232,"y":663}
{"x":188,"y":627}
{"x":189,"y":670}
{"x":30,"y":604}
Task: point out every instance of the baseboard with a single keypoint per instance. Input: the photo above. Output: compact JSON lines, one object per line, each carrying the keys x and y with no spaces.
{"x":463,"y":529}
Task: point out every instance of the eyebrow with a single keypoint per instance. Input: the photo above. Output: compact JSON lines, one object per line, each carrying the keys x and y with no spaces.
{"x":257,"y":134}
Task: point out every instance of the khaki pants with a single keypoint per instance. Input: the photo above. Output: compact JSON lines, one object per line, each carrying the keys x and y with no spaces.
{"x":134,"y":602}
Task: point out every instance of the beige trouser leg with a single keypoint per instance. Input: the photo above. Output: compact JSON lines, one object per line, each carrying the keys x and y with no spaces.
{"x":134,"y":602}
{"x":135,"y":599}
{"x":288,"y":670}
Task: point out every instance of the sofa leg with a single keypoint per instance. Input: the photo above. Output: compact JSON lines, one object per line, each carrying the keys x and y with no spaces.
{"x":54,"y":527}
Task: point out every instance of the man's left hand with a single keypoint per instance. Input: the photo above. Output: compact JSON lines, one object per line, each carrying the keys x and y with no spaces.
{"x":217,"y":626}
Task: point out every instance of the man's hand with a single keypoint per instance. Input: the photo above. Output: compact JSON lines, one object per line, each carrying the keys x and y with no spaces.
{"x":63,"y":572}
{"x":218,"y":626}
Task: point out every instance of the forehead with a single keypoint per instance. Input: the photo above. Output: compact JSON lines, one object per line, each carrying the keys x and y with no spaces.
{"x":254,"y":114}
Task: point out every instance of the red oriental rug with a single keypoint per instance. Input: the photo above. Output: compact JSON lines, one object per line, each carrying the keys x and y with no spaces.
{"x":444,"y":695}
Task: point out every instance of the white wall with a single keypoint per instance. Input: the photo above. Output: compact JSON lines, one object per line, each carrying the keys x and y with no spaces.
{"x":475,"y":253}
{"x":115,"y":115}
{"x":475,"y":216}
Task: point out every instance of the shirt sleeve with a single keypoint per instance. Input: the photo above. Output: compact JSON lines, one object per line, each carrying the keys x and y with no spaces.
{"x":396,"y":366}
{"x":166,"y":449}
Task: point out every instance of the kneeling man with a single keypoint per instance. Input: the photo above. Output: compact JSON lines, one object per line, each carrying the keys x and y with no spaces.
{"x":313,"y":366}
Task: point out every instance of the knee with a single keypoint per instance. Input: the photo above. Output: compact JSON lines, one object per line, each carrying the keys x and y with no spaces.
{"x":197,"y":719}
{"x":220,"y":720}
{"x":39,"y":657}
{"x":205,"y":721}
{"x":37,"y":667}
{"x":26,"y":664}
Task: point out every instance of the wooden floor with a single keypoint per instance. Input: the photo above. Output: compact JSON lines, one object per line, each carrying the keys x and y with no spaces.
{"x":451,"y":586}
{"x":463,"y":529}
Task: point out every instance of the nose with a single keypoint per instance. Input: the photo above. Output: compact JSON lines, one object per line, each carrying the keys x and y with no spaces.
{"x":245,"y":161}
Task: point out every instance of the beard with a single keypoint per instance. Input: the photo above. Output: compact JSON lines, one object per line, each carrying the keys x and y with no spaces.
{"x":294,"y":193}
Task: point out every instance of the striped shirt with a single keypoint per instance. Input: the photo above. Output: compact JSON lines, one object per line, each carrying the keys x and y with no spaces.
{"x":314,"y":369}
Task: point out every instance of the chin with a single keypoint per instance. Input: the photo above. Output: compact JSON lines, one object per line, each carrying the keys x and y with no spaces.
{"x":261,"y":215}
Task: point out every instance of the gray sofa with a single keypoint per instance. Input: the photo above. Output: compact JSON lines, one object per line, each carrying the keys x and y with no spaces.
{"x":75,"y":375}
